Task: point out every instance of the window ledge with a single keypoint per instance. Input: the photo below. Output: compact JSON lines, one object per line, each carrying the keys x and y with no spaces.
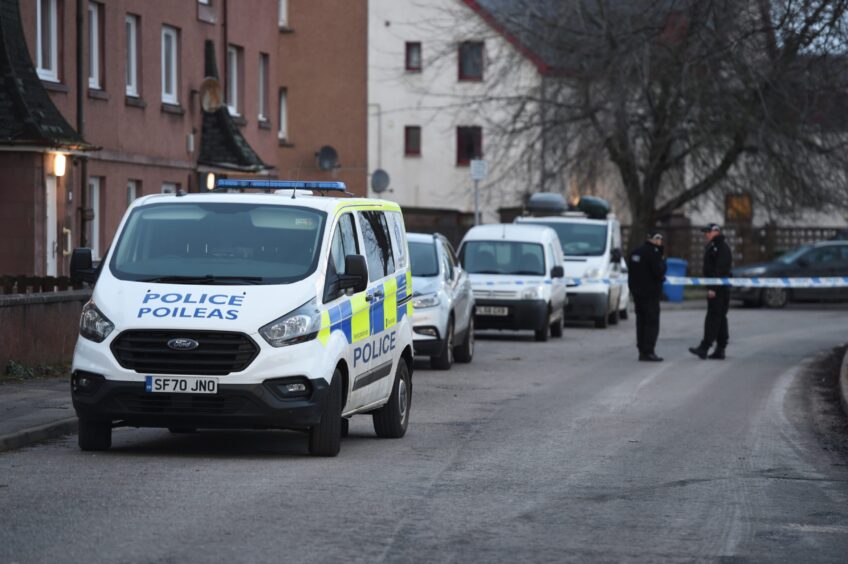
{"x":264,"y":124}
{"x":470,"y":79}
{"x":285,"y":143}
{"x":97,"y":94}
{"x":55,"y":86}
{"x":413,"y":71}
{"x":412,"y":155}
{"x":135,"y":102}
{"x":173,"y":109}
{"x":241,"y":121}
{"x":286,"y":29}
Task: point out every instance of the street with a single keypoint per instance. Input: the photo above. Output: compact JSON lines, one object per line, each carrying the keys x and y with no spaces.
{"x":566,"y":451}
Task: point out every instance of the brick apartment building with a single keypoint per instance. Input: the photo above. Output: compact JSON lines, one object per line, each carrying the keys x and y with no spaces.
{"x":140,"y":114}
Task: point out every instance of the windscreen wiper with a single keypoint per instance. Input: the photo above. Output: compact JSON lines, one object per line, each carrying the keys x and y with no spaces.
{"x":208,"y":279}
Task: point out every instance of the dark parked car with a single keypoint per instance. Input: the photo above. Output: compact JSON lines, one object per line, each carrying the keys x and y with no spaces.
{"x":824,"y":259}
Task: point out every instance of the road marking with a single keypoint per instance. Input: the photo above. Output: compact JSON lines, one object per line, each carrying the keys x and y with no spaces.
{"x":825,"y":529}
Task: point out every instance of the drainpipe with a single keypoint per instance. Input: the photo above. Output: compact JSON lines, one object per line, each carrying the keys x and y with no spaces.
{"x":83,"y":199}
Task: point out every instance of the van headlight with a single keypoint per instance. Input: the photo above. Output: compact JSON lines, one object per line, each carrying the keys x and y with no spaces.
{"x":94,"y":326}
{"x":756,"y":271}
{"x":534,"y":293}
{"x":425,"y":301}
{"x":298,"y":326}
{"x":593,"y":273}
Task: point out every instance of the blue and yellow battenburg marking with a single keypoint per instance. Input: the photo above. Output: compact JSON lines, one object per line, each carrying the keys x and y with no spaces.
{"x":358,"y":318}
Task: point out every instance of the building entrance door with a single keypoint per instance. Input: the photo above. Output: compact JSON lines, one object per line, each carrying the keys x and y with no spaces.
{"x":51,"y":243}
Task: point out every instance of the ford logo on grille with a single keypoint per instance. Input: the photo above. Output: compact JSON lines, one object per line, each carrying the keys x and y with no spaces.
{"x":183,"y":344}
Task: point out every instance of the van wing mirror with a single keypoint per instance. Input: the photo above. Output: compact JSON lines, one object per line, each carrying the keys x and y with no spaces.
{"x":557,"y":272}
{"x":82,"y":266}
{"x":616,"y":255}
{"x":356,"y":274}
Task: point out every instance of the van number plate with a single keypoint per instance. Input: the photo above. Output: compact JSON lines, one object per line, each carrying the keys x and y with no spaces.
{"x":181,"y":385}
{"x":492,"y":310}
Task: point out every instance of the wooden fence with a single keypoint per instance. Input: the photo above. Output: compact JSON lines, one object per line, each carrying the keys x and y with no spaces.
{"x":36,"y":284}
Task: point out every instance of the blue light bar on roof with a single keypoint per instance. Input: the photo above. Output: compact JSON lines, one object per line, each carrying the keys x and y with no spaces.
{"x":281,"y":185}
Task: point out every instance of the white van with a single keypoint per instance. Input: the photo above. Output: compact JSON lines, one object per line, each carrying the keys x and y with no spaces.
{"x":248,"y":310}
{"x":592,"y":249}
{"x":517,"y":276}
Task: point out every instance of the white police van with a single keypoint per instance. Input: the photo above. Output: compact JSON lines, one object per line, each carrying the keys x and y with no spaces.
{"x":516,"y":274}
{"x":591,"y":242}
{"x":248,"y":310}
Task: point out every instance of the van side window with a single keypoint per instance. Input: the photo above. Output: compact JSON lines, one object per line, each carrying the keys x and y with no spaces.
{"x":448,"y":262}
{"x":344,"y":243}
{"x":398,"y":238}
{"x":377,"y":243}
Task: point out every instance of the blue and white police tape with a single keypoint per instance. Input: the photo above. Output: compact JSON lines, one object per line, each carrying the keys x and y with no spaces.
{"x":754,"y":282}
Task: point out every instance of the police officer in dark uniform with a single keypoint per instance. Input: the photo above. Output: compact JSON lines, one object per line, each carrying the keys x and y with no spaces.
{"x":718,"y":259}
{"x":645,"y":279}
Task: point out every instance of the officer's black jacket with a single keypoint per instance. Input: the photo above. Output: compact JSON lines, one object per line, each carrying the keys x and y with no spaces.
{"x":718,"y":259}
{"x":646,"y":271}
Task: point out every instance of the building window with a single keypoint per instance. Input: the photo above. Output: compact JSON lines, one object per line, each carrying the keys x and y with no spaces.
{"x":205,"y":2}
{"x":131,"y":25}
{"x":283,"y":11}
{"x":132,"y":191}
{"x":263,"y":87}
{"x":469,"y":144}
{"x":738,"y":208}
{"x":170,"y":187}
{"x":471,"y":60}
{"x":94,"y":192}
{"x":412,"y":140}
{"x":233,"y":60}
{"x":170,"y":65}
{"x":95,"y":46}
{"x":47,"y":40}
{"x":413,"y":56}
{"x":283,"y":131}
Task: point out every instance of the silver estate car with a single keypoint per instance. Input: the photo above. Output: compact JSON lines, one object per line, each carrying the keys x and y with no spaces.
{"x":443,"y":322}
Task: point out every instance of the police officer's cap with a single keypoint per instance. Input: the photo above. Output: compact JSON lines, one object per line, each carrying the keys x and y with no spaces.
{"x":710,"y":227}
{"x":655,"y":235}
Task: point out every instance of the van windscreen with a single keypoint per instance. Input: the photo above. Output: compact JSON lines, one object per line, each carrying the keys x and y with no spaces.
{"x":219,"y":243}
{"x":503,"y":257}
{"x":580,"y":239}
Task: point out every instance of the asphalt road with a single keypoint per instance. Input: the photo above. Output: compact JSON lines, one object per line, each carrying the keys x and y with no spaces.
{"x":567,"y":451}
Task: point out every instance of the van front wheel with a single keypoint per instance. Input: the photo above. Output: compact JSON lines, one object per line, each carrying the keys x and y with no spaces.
{"x":95,"y":435}
{"x":325,"y":437}
{"x":391,"y":420}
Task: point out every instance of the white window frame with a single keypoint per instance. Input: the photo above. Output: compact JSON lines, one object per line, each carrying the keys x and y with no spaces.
{"x":95,"y":191}
{"x":170,"y":187}
{"x":205,"y":2}
{"x":283,"y":13}
{"x":94,"y":46}
{"x":264,"y":62}
{"x":51,"y":72}
{"x":170,"y":97}
{"x":131,"y":29}
{"x":233,"y":80}
{"x":132,"y":191}
{"x":283,"y":128}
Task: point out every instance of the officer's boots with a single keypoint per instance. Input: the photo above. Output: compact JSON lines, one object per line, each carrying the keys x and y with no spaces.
{"x":718,"y":354}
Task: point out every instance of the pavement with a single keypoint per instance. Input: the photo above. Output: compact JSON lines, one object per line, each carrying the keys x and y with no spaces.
{"x":40,"y":409}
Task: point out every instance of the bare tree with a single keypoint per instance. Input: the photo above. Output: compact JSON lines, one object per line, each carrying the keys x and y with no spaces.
{"x":677,"y":100}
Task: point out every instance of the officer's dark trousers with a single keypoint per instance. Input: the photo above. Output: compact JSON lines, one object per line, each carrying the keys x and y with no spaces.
{"x":647,"y":323}
{"x":715,"y":324}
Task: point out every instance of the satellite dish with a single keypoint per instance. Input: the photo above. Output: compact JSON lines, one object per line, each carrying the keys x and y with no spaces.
{"x":211,"y":94}
{"x":328,"y":158}
{"x":379,"y":181}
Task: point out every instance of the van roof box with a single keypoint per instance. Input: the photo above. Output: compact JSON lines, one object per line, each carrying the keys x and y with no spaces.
{"x":552,"y":203}
{"x":546,"y":203}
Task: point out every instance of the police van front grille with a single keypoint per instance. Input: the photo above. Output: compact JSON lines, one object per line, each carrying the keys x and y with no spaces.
{"x":217,"y":354}
{"x":495,"y":294}
{"x":179,"y":404}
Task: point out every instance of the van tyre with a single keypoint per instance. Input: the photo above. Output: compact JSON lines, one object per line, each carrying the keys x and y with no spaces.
{"x":556,"y":327}
{"x":542,"y":335}
{"x":445,"y":358}
{"x":613,"y":316}
{"x":391,"y":420}
{"x":325,"y":437}
{"x":182,"y":430}
{"x":95,"y":435}
{"x":465,"y":352}
{"x":622,"y":313}
{"x":602,"y":322}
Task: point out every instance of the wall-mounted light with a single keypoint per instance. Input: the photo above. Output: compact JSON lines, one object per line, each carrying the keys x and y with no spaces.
{"x":59,"y":163}
{"x":210,"y":181}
